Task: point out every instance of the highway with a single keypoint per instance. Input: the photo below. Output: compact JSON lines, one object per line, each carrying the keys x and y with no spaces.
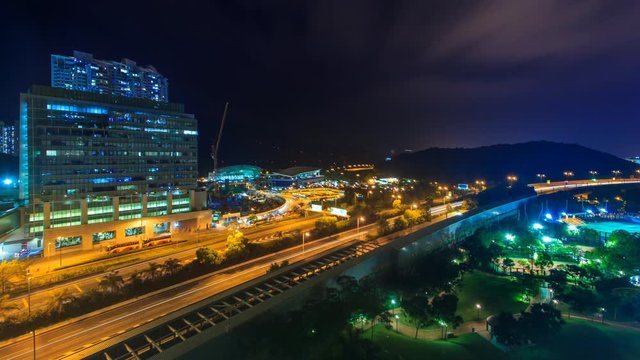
{"x":65,"y":339}
{"x":57,"y":340}
{"x":40,"y":298}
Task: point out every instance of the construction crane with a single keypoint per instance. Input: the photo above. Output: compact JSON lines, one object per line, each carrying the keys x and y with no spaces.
{"x":216,"y":146}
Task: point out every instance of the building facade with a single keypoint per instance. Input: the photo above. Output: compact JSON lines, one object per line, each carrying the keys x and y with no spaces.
{"x":92,"y":161}
{"x":125,"y":78}
{"x":7,"y":139}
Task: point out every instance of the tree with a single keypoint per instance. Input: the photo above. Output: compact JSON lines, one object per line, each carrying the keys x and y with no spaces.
{"x":417,"y":310}
{"x":236,"y":245}
{"x":579,"y":299}
{"x":383,"y":227}
{"x":10,"y":272}
{"x":6,"y":306}
{"x":543,"y":260}
{"x":413,"y":216}
{"x":397,"y":204}
{"x":507,"y":264}
{"x":621,"y":252}
{"x":111,"y":283}
{"x":171,"y":266}
{"x":541,"y":322}
{"x":208,"y":257}
{"x":59,"y":299}
{"x":400,"y":223}
{"x":469,"y":204}
{"x":153,"y":270}
{"x":506,"y":330}
{"x":327,"y":225}
{"x":443,"y":308}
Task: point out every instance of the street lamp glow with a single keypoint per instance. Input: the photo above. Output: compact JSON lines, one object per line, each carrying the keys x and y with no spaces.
{"x":603,"y":210}
{"x":510,"y":237}
{"x":548,"y":216}
{"x":546,"y":239}
{"x":478,"y":306}
{"x":572,"y":227}
{"x":7,"y":181}
{"x":590,"y":211}
{"x":537,"y":226}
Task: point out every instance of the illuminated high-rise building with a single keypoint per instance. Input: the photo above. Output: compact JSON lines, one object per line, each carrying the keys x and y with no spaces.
{"x":7,"y":139}
{"x":93,"y":164}
{"x":125,"y":78}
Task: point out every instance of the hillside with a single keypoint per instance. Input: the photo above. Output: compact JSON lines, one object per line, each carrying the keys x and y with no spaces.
{"x":494,"y":163}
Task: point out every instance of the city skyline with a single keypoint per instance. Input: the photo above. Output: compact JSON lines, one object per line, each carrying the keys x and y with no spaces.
{"x":439,"y":74}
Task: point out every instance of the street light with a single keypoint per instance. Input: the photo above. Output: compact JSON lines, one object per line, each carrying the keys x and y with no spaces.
{"x":59,"y":242}
{"x":478,"y":307}
{"x":568,"y":174}
{"x":33,"y":329}
{"x":397,"y":318}
{"x":360,"y":218}
{"x":304,"y":234}
{"x":49,"y":255}
{"x":541,"y":177}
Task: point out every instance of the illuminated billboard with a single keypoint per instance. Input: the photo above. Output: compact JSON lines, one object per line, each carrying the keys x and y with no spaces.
{"x":316,"y":207}
{"x":339,"y":212}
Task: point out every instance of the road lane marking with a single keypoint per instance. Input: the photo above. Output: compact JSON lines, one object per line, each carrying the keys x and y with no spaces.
{"x":224,"y":279}
{"x":77,"y":287}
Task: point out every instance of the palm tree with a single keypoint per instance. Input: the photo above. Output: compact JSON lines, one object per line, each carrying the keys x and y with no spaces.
{"x":171,"y":266}
{"x":153,"y":270}
{"x":112,"y":282}
{"x":59,"y":299}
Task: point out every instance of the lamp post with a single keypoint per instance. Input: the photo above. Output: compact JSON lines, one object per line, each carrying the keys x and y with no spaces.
{"x":59,"y":242}
{"x":304,"y":234}
{"x":478,"y":307}
{"x":49,"y":255}
{"x":397,"y":318}
{"x":360,"y":218}
{"x":33,"y":329}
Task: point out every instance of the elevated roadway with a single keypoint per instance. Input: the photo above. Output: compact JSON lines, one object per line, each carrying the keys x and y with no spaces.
{"x":550,"y":187}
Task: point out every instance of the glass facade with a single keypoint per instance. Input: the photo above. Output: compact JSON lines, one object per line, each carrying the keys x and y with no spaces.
{"x":95,"y":158}
{"x":74,"y":147}
{"x":126,"y":78}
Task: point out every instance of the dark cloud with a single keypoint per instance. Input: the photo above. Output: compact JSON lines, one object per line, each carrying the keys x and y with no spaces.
{"x":354,"y":79}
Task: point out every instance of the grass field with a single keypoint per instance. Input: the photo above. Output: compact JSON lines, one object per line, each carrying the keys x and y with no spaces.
{"x":585,"y":340}
{"x":471,"y":346}
{"x":493,"y":293}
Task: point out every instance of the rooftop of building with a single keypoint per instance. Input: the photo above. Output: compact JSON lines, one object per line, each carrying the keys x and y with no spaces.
{"x":240,"y":167}
{"x":42,"y":90}
{"x":296,"y":170}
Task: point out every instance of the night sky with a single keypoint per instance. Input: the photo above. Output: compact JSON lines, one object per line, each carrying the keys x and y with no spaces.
{"x":323,"y":81}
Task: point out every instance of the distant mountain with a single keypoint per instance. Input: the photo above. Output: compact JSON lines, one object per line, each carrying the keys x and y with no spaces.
{"x":494,"y":163}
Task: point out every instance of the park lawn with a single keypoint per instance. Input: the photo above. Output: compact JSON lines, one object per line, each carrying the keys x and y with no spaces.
{"x":469,"y":346}
{"x":494,"y":294}
{"x":584,"y":339}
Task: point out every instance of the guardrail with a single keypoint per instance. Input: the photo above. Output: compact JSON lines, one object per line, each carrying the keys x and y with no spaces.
{"x":217,"y":312}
